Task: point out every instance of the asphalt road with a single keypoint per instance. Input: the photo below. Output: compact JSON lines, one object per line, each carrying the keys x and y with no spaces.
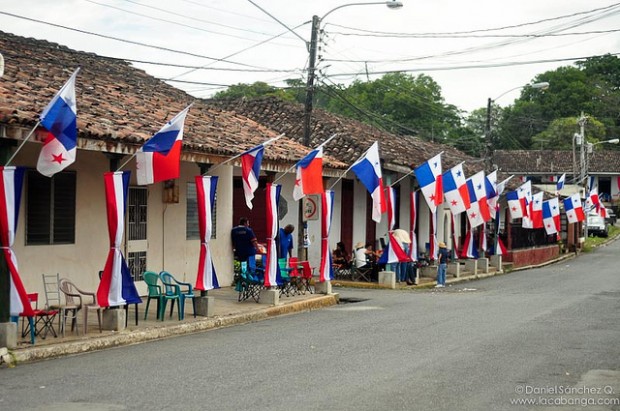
{"x":550,"y":336}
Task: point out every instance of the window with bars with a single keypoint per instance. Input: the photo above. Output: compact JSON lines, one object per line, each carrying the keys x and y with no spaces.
{"x":50,"y":214}
{"x":136,"y":261}
{"x":192,"y":231}
{"x":136,"y":214}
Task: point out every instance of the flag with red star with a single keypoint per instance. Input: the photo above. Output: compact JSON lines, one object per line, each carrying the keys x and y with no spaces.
{"x":455,"y":189}
{"x":430,"y":180}
{"x":551,"y":216}
{"x":60,"y":119}
{"x":478,"y":211}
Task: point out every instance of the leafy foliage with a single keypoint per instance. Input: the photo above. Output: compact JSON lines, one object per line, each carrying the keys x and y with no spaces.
{"x":413,"y":105}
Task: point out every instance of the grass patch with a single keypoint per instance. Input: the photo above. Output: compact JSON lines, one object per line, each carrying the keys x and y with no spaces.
{"x":592,"y":242}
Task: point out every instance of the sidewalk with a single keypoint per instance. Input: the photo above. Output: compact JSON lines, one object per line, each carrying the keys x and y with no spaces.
{"x":227,"y":312}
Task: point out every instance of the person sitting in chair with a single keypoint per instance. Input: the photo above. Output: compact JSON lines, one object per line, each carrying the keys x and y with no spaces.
{"x":340,"y":256}
{"x":366,"y":259}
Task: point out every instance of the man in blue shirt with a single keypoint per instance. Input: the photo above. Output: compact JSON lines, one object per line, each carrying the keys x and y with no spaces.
{"x":443,"y":256}
{"x":285,"y":241}
{"x":243,"y":240}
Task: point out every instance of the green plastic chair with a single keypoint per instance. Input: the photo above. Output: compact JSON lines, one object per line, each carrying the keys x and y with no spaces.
{"x":186,"y":290}
{"x":285,"y":274}
{"x":154,"y":292}
{"x":172,"y":292}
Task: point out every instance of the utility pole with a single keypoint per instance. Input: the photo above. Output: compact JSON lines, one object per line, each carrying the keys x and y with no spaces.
{"x":312,"y":49}
{"x":302,"y":225}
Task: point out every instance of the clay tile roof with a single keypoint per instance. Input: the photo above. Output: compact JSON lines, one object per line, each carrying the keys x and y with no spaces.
{"x":119,"y":106}
{"x":554,"y":162}
{"x":398,"y":152}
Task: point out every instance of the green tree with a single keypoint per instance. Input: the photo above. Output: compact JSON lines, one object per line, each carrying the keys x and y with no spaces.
{"x":559,"y":135}
{"x":249,"y":91}
{"x":592,"y":86}
{"x":400,"y":103}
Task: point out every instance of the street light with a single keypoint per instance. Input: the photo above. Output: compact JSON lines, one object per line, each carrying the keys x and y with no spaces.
{"x":312,"y":49}
{"x":543,"y":85}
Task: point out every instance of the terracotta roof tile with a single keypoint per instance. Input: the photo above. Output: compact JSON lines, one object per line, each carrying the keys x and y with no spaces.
{"x":554,"y":162}
{"x":401,"y":152}
{"x":121,"y":105}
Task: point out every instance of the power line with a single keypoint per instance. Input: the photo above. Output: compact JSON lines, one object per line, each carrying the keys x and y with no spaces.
{"x":612,"y":6}
{"x":467,"y":36}
{"x":467,"y":67}
{"x":129,"y":41}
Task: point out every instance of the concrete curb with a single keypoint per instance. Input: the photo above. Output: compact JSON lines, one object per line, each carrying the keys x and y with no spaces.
{"x":35,"y":353}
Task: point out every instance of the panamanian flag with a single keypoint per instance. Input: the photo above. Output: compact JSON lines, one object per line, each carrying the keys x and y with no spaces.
{"x":60,"y":119}
{"x":478,"y":211}
{"x":534,"y":218}
{"x":559,"y":185}
{"x":455,"y":189}
{"x":368,"y":170}
{"x":309,"y":178}
{"x":573,"y":209}
{"x":159,"y":159}
{"x":430,"y":179}
{"x":250,"y":171}
{"x":551,"y":215}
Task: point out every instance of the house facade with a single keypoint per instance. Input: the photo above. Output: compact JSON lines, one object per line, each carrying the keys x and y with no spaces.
{"x":63,"y":227}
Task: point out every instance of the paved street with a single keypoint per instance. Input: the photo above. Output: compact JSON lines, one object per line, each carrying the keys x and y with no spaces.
{"x":548,"y":336}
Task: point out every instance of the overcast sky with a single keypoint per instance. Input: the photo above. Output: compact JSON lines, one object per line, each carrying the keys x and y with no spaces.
{"x":474,"y":50}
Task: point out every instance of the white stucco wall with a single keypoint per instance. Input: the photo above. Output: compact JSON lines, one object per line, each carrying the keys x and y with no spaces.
{"x":166,"y":232}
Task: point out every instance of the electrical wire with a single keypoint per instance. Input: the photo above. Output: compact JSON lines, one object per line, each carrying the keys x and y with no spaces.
{"x":128,"y":41}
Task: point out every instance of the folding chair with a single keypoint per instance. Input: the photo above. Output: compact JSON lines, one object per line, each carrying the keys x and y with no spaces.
{"x":44,"y":318}
{"x":361,"y":273}
{"x":342,"y":271}
{"x":293,"y":265}
{"x":285,"y":274}
{"x":305,"y":282}
{"x":250,"y":282}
